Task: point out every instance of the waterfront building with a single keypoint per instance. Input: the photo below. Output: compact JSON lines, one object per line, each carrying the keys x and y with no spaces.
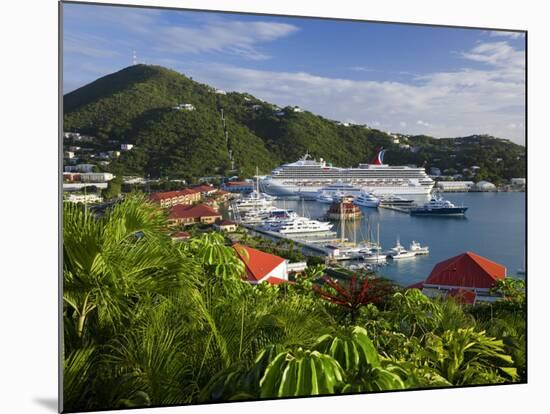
{"x":484,"y":186}
{"x":261,"y":266}
{"x":518,"y":181}
{"x":204,"y":189}
{"x":238,"y":186}
{"x":343,"y":211}
{"x":465,"y":272}
{"x":187,"y":215}
{"x":172,"y":198}
{"x":454,"y":186}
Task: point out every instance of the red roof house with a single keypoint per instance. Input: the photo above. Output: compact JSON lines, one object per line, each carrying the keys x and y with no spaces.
{"x":199,"y":213}
{"x":261,"y":266}
{"x":467,"y":270}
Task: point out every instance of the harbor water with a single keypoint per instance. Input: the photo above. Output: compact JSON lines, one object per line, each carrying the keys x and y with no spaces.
{"x":493,"y":227}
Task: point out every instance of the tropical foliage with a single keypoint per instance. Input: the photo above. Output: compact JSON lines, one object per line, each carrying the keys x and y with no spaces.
{"x":148,"y":321}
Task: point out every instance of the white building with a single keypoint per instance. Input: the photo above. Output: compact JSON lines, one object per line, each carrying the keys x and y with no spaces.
{"x":297,"y":109}
{"x":114,"y":154}
{"x":484,"y":186}
{"x":84,"y":198}
{"x":101,"y":177}
{"x":454,"y":186}
{"x":84,"y":168}
{"x":518,"y":181}
{"x":126,"y":147}
{"x":69,"y":154}
{"x":184,"y":107}
{"x":220,"y":92}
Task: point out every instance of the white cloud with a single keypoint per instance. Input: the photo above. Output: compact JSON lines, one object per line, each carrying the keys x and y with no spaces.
{"x":501,"y":33}
{"x":459,"y":103}
{"x":423,"y":123}
{"x":361,"y":69}
{"x":235,"y":37}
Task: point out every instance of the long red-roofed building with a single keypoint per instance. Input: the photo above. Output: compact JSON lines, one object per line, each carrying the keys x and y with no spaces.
{"x":172,"y":198}
{"x":199,"y":213}
{"x":261,"y":266}
{"x":466,"y":272}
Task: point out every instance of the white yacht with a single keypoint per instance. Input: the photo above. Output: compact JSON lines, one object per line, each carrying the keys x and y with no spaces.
{"x":399,"y":252}
{"x":417,"y":249}
{"x":253,"y":200}
{"x":324,"y":197}
{"x":438,"y":206}
{"x":393,"y":200}
{"x":306,"y":177}
{"x":302,"y":225}
{"x":366,"y":199}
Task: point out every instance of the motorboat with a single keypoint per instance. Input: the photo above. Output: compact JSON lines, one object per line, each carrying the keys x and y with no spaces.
{"x":438,"y":206}
{"x":396,"y":201}
{"x":302,"y":225}
{"x":366,"y":199}
{"x":399,"y":252}
{"x":417,"y":249}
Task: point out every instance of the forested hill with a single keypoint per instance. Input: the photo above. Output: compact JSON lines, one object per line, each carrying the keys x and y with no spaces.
{"x":135,"y":105}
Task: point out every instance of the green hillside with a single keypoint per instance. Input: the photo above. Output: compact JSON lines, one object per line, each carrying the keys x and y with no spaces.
{"x":135,"y":105}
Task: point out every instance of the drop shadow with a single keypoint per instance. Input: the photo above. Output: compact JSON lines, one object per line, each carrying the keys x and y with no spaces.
{"x":49,"y":403}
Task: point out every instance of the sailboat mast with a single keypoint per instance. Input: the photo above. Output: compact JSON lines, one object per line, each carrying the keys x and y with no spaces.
{"x":342,"y":221}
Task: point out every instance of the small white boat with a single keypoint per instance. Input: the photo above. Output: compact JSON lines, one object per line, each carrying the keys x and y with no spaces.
{"x":399,"y":252}
{"x":417,"y":249}
{"x":366,"y":199}
{"x":374,"y":256}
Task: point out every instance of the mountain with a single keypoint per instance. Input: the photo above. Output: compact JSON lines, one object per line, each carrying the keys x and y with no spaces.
{"x":136,"y":105}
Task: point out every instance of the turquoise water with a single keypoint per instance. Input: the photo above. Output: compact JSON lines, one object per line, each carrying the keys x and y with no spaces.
{"x":494,"y":227}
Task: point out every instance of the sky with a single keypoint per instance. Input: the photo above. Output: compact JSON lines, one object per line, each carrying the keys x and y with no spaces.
{"x":442,"y":82}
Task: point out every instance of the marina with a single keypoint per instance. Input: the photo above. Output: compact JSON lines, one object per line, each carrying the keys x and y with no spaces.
{"x":487,"y":229}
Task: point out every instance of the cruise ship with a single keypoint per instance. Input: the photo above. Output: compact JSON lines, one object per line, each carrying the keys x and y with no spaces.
{"x":306,"y":177}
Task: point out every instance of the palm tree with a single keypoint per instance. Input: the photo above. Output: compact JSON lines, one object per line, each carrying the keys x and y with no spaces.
{"x":109,"y":262}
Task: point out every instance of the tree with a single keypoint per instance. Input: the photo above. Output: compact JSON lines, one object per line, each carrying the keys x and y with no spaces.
{"x":356,"y":294}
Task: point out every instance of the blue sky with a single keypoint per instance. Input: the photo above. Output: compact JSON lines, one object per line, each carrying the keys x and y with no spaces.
{"x":442,"y":82}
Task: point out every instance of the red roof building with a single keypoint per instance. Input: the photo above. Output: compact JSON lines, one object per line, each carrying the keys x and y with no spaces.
{"x":261,"y":266}
{"x":173,"y":198}
{"x":467,"y":277}
{"x":199,"y":213}
{"x":467,"y":270}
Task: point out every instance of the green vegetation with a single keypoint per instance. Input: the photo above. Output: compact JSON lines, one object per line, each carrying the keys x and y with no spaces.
{"x":150,"y":322}
{"x":135,"y":105}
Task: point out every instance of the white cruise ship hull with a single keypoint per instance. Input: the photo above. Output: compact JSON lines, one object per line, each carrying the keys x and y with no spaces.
{"x":278,"y":188}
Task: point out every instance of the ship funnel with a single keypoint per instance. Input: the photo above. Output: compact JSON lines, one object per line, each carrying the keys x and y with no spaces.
{"x":379,"y":158}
